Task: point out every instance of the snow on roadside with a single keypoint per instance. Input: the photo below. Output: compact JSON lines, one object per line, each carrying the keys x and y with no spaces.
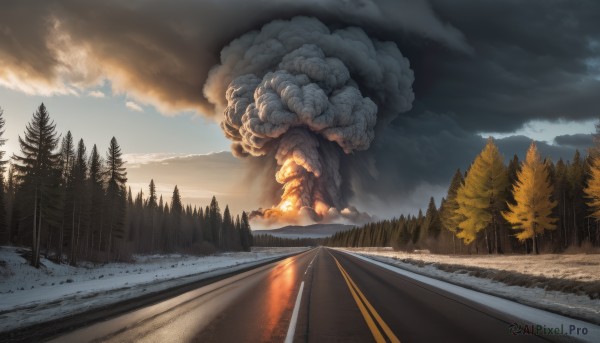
{"x":568,"y":304}
{"x":29,"y":295}
{"x":578,"y":267}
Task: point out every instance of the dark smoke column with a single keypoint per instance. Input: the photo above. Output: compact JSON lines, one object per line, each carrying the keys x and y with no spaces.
{"x":307,"y":96}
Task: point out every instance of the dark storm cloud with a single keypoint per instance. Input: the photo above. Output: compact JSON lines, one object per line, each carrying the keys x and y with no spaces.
{"x":493,"y":64}
{"x":160,"y":52}
{"x":520,"y":144}
{"x":532,"y":60}
{"x":479,"y":66}
{"x":579,"y":141}
{"x":429,"y":148}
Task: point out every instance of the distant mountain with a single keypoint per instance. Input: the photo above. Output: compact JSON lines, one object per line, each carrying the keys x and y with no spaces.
{"x":309,"y":231}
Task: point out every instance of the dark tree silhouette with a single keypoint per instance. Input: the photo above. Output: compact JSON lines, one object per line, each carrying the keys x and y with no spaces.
{"x":115,"y":195}
{"x":38,"y":175}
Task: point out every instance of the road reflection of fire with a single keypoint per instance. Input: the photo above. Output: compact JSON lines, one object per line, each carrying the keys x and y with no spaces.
{"x":282,"y":284}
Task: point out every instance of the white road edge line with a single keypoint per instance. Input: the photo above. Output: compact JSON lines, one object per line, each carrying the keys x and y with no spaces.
{"x":289,"y":338}
{"x":310,"y":264}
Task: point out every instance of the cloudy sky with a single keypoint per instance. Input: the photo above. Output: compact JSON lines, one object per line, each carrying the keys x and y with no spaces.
{"x":517,"y":70}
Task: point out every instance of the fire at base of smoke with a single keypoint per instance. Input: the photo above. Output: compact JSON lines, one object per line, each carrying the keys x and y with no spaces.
{"x":273,"y":217}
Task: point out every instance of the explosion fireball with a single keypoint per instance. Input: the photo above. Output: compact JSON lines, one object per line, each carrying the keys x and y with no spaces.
{"x":308,"y":96}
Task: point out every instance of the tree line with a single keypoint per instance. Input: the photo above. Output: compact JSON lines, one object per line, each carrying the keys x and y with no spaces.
{"x":71,"y":205}
{"x":267,"y":240}
{"x":529,"y":206}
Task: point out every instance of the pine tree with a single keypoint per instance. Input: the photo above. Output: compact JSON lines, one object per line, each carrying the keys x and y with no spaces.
{"x":67,"y":154}
{"x":249,"y":238}
{"x":227,"y":230}
{"x":37,"y":173}
{"x":206,"y":225}
{"x":594,"y":150}
{"x":238,"y":231}
{"x":448,"y":214}
{"x":561,"y":189}
{"x":416,"y":227}
{"x":200,"y":225}
{"x":532,"y":213}
{"x":78,"y":182}
{"x":139,"y":198}
{"x":194,"y":222}
{"x":576,"y":182}
{"x":4,"y":232}
{"x":176,"y":213}
{"x":164,"y":228}
{"x":514,"y":166}
{"x":135,"y":220}
{"x":129,"y":197}
{"x":11,"y":209}
{"x":482,"y":196}
{"x":176,"y":205}
{"x":115,"y":194}
{"x":214,"y":221}
{"x":96,"y":200}
{"x":592,"y":191}
{"x":4,"y":228}
{"x":152,"y":195}
{"x":432,"y":225}
{"x":2,"y":139}
{"x":152,"y":206}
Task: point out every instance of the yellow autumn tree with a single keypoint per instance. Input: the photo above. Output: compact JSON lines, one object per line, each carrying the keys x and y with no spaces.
{"x":482,"y":196}
{"x":532,"y":211}
{"x":592,"y":191}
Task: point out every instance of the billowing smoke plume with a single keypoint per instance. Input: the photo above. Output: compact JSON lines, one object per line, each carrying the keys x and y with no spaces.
{"x":308,"y":96}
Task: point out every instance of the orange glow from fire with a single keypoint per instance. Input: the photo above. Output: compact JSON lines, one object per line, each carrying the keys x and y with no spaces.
{"x":293,"y":175}
{"x":286,"y":205}
{"x":321,"y":208}
{"x":286,"y":211}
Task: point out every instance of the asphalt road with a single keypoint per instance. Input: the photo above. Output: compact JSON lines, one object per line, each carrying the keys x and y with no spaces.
{"x":342,"y":299}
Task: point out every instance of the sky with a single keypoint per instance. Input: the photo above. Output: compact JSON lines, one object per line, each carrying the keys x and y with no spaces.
{"x":97,"y":120}
{"x":515,"y":70}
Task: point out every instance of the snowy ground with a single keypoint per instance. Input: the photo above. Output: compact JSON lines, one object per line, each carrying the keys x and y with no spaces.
{"x":29,"y":295}
{"x":582,"y":267}
{"x":473,"y":272}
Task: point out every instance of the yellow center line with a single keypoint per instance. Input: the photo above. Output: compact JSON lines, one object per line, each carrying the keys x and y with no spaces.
{"x":370,"y":323}
{"x":385,"y":327}
{"x":358,"y":296}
